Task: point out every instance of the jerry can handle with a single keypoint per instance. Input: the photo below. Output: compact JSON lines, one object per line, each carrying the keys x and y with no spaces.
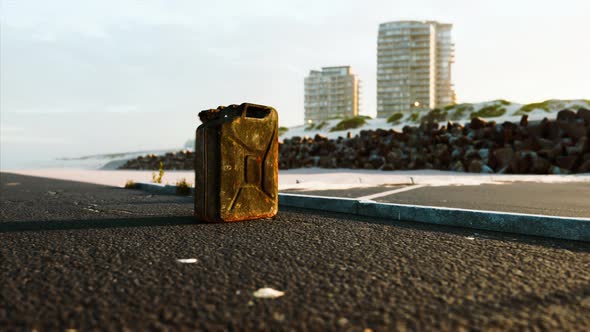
{"x":255,"y":112}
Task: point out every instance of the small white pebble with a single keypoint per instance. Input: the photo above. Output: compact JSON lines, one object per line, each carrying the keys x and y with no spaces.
{"x":470,"y":238}
{"x":187,"y":260}
{"x":268,"y":293}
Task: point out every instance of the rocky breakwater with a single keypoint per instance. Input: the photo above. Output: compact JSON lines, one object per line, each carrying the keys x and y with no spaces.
{"x":558,"y":146}
{"x":181,"y":160}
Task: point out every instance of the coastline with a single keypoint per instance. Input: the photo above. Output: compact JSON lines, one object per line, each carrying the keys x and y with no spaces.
{"x":312,"y":178}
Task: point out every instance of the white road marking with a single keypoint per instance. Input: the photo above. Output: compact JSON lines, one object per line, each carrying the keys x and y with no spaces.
{"x":430,"y":207}
{"x":390,"y":192}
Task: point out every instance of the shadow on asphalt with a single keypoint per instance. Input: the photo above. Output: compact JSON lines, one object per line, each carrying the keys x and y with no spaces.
{"x":40,"y":226}
{"x":174,"y":200}
{"x":576,"y":246}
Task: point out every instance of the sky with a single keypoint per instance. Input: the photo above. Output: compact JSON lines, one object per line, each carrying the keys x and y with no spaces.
{"x":87,"y":77}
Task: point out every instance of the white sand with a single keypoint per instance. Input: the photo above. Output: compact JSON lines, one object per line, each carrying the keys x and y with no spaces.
{"x":104,"y":177}
{"x":314,"y":178}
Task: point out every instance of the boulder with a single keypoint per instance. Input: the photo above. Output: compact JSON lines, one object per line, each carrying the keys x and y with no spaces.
{"x":475,"y":166}
{"x":550,"y":130}
{"x":457,"y":166}
{"x":534,"y":130}
{"x":393,"y":156}
{"x":573,"y":150}
{"x":585,"y":115}
{"x":585,"y":167}
{"x":471,"y":153}
{"x":377,"y":161}
{"x":504,"y":156}
{"x":555,"y":170}
{"x":523,"y":162}
{"x":566,"y":162}
{"x":541,"y":166}
{"x":557,"y":150}
{"x":485,"y":169}
{"x":566,"y":115}
{"x":477,"y":123}
{"x":545,"y":143}
{"x":325,"y":162}
{"x":319,"y":138}
{"x":387,"y":167}
{"x":573,"y":129}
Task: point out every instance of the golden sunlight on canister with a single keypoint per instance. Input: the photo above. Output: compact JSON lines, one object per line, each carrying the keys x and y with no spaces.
{"x":236,"y":163}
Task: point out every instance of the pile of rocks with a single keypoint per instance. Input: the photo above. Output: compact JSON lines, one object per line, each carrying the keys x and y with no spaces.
{"x":546,"y":147}
{"x":558,"y":146}
{"x":181,"y":160}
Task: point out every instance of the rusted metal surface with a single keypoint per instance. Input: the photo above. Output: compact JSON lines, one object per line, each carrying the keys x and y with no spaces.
{"x":236,"y":163}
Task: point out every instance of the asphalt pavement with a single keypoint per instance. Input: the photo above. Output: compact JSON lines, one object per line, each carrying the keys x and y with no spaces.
{"x":82,"y":256}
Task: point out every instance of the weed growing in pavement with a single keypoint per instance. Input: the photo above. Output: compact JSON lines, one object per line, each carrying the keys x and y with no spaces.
{"x":158,"y":178}
{"x":183,"y":187}
{"x":130,"y":184}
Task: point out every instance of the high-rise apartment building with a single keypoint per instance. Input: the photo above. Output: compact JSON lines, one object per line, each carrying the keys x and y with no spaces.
{"x":331,"y":92}
{"x":414,"y":66}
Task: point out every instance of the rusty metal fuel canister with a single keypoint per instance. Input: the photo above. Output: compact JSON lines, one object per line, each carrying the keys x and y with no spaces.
{"x":236,"y":163}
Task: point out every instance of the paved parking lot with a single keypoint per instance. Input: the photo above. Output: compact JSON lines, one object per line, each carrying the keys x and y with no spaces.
{"x":555,"y":199}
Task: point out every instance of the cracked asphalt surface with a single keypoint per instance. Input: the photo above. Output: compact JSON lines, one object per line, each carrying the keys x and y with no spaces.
{"x":84,"y":256}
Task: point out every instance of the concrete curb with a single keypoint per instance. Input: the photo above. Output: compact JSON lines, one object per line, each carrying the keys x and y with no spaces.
{"x":528,"y":224}
{"x":567,"y":228}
